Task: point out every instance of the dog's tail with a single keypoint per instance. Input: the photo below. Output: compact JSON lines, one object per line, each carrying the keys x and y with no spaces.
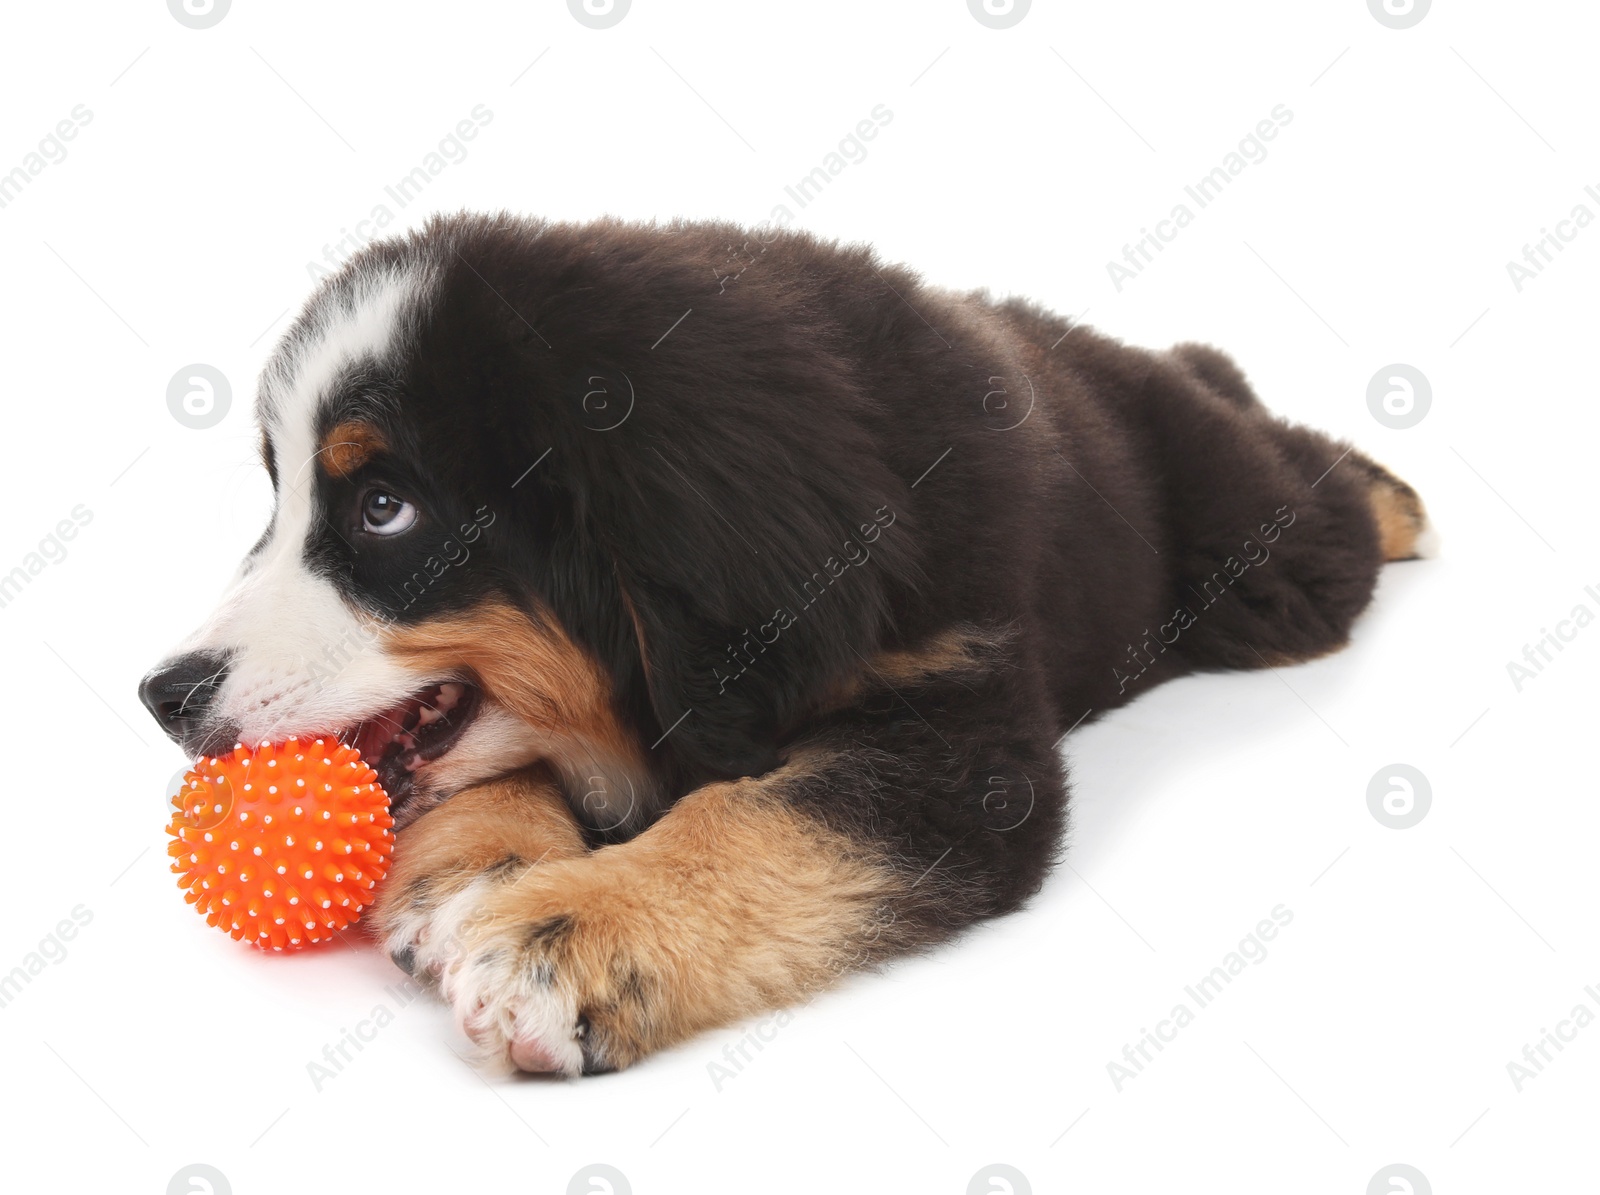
{"x":1404,"y":531}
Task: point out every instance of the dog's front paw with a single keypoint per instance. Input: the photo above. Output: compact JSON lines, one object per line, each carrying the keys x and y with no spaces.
{"x":451,"y":861}
{"x":555,"y":972}
{"x":424,"y":924}
{"x":574,"y":962}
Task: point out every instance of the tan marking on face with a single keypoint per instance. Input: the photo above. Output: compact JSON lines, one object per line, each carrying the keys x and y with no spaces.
{"x":348,"y":446}
{"x":532,"y":668}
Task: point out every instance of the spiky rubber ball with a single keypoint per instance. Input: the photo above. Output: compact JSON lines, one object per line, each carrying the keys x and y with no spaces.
{"x":283,"y":845}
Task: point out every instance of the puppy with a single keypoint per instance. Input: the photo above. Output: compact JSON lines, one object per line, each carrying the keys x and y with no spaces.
{"x":711,"y":603}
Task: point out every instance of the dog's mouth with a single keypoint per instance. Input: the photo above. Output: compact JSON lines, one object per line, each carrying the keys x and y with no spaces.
{"x":418,"y":731}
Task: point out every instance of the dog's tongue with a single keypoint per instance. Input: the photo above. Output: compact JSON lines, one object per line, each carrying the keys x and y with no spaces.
{"x":390,"y":729}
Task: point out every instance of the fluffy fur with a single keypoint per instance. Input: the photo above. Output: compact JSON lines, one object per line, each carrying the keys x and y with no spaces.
{"x":714,"y":632}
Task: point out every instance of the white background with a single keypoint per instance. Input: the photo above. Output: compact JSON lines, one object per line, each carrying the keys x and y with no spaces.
{"x":218,"y":163}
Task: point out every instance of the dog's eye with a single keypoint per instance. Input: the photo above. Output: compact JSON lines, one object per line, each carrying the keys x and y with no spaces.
{"x":383,"y":513}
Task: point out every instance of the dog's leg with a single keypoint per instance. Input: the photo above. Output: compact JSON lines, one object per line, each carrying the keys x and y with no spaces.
{"x":449,"y":858}
{"x":932,"y":800}
{"x":1275,"y":532}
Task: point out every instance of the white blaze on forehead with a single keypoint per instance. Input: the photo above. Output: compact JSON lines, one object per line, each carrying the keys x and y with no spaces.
{"x":367,"y":318}
{"x":302,"y":657}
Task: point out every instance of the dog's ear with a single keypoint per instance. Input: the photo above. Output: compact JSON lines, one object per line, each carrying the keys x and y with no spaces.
{"x":752,"y":594}
{"x":707,"y":717}
{"x":729,"y":474}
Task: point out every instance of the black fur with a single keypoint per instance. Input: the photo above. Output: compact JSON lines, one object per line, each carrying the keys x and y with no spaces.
{"x":737,"y":509}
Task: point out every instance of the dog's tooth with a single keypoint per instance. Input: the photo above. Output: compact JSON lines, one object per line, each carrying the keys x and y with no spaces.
{"x":413,"y":762}
{"x":449,"y":693}
{"x":428,"y":716}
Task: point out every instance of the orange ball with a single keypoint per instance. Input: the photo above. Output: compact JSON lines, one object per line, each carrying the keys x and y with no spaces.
{"x":284,"y":845}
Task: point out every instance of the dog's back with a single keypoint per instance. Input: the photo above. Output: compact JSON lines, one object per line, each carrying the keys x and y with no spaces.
{"x":1131,"y":515}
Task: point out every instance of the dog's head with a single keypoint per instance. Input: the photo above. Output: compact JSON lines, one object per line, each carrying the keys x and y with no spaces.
{"x":515,"y":522}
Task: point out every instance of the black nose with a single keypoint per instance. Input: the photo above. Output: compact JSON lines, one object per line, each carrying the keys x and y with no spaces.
{"x":178,"y":693}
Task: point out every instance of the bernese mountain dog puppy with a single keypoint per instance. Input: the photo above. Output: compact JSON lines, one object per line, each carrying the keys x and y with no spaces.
{"x":712,"y":602}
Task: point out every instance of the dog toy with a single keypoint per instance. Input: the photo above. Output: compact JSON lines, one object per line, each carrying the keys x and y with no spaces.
{"x":281,"y":846}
